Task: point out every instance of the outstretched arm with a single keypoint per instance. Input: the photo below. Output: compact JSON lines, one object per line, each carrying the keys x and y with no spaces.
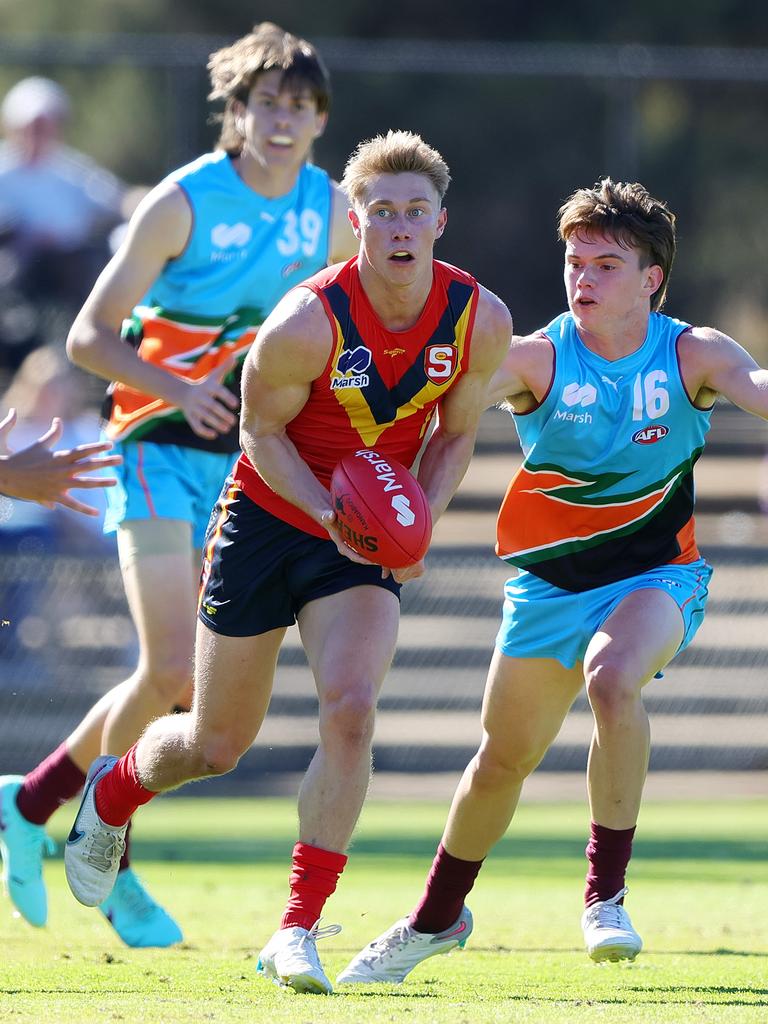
{"x":38,"y":474}
{"x":712,"y":364}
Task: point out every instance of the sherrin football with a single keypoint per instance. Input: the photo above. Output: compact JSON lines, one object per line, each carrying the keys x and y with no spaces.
{"x":381,"y":509}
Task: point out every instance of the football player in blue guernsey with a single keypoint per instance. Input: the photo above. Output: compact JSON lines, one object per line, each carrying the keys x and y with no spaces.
{"x":612,"y":402}
{"x":207,"y":255}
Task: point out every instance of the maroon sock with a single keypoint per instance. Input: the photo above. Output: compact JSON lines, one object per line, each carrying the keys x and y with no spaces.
{"x":125,"y":860}
{"x":314,"y":874}
{"x":448,"y":883}
{"x":54,"y":781}
{"x":119,"y":792}
{"x":608,"y":852}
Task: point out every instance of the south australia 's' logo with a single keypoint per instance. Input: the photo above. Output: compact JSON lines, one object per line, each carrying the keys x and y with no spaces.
{"x":440,"y":362}
{"x":351,"y":366}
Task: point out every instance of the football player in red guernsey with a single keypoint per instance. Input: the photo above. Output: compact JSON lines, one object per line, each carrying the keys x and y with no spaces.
{"x":365,"y":354}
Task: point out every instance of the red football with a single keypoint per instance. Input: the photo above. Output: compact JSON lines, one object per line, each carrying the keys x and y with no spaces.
{"x":381,"y":509}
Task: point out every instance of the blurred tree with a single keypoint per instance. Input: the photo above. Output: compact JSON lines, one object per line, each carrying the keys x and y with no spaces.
{"x":517,"y":146}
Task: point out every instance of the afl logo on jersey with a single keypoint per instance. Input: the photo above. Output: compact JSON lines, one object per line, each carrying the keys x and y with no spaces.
{"x":651,"y":434}
{"x":440,"y":362}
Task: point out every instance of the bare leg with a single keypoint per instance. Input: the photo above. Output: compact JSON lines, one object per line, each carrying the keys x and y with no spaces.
{"x":350,"y":640}
{"x":160,"y":569}
{"x":638,"y":639}
{"x":525,"y":702}
{"x":233,"y":685}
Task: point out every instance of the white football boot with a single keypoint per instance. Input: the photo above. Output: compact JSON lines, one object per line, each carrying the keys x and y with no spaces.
{"x":391,"y":958}
{"x":290,"y":959}
{"x":93,"y":851}
{"x":608,"y":931}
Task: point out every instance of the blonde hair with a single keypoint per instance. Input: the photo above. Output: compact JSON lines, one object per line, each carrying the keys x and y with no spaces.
{"x":234,"y":70}
{"x":397,"y":152}
{"x":631,"y":215}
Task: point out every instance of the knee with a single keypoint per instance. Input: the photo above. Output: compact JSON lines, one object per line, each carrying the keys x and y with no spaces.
{"x":347,"y":716}
{"x":611,"y":691}
{"x":168,"y":678}
{"x":496,"y":771}
{"x":218,"y":753}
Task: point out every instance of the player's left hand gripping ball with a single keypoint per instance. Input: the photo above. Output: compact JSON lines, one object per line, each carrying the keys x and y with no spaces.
{"x":381,"y":510}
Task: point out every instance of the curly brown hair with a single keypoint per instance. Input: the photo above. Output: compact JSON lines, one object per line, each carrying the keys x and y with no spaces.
{"x":234,"y":70}
{"x":631,"y":215}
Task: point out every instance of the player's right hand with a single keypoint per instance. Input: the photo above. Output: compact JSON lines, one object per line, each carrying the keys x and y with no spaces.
{"x":209,"y":407}
{"x":328,"y":521}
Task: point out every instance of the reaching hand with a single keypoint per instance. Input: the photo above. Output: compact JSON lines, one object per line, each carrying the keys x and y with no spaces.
{"x":38,"y":474}
{"x":328,"y":520}
{"x":209,"y":407}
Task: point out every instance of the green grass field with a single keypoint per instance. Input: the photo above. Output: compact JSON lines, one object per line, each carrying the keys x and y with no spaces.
{"x":699,"y":897}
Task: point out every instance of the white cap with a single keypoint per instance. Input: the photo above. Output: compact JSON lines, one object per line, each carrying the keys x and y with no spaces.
{"x":32,"y":98}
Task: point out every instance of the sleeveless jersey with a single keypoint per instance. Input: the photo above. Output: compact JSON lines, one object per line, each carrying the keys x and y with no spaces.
{"x":244,"y":253}
{"x":605,"y":490}
{"x":379,"y":388}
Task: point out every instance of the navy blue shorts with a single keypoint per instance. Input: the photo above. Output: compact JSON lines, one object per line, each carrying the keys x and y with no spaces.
{"x":259,"y":571}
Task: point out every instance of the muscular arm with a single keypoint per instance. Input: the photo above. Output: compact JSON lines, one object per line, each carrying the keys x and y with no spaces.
{"x":712,"y":364}
{"x":525,"y":375}
{"x":158,"y":232}
{"x":291,"y":351}
{"x":450,"y":447}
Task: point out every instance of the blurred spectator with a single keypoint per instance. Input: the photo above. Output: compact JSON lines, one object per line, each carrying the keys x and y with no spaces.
{"x":57,"y":207}
{"x":48,"y":385}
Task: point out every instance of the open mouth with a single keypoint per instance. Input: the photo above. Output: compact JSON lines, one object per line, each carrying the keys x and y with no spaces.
{"x":401,"y":257}
{"x":281,"y":140}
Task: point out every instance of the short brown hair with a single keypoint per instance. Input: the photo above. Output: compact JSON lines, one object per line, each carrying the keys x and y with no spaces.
{"x":234,"y":70}
{"x":397,"y":152}
{"x":631,"y":215}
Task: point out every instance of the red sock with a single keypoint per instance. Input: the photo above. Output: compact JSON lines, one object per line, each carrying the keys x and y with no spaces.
{"x":314,"y":874}
{"x":608,"y":852}
{"x":119,"y":792}
{"x":125,"y":860}
{"x":54,"y":781}
{"x":449,"y":881}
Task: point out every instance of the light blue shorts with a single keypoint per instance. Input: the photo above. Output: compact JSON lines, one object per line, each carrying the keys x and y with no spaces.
{"x":542,"y":621}
{"x":166,"y":481}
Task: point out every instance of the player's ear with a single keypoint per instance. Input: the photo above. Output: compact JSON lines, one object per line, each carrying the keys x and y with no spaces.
{"x":321,"y":120}
{"x":354,"y":220}
{"x":442,"y":220}
{"x":238,"y":116}
{"x":654,"y":276}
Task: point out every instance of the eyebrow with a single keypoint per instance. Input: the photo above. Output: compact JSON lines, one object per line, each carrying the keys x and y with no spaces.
{"x":304,"y":93}
{"x":391,"y":202}
{"x":602,"y":256}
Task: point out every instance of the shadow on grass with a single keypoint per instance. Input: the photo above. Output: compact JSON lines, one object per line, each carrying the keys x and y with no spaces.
{"x":681,"y":995}
{"x":560,"y":950}
{"x":240,"y":849}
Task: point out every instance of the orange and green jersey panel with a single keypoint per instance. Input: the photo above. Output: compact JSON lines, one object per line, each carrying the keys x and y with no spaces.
{"x":245,"y":251}
{"x":606,"y":487}
{"x":189,"y":347}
